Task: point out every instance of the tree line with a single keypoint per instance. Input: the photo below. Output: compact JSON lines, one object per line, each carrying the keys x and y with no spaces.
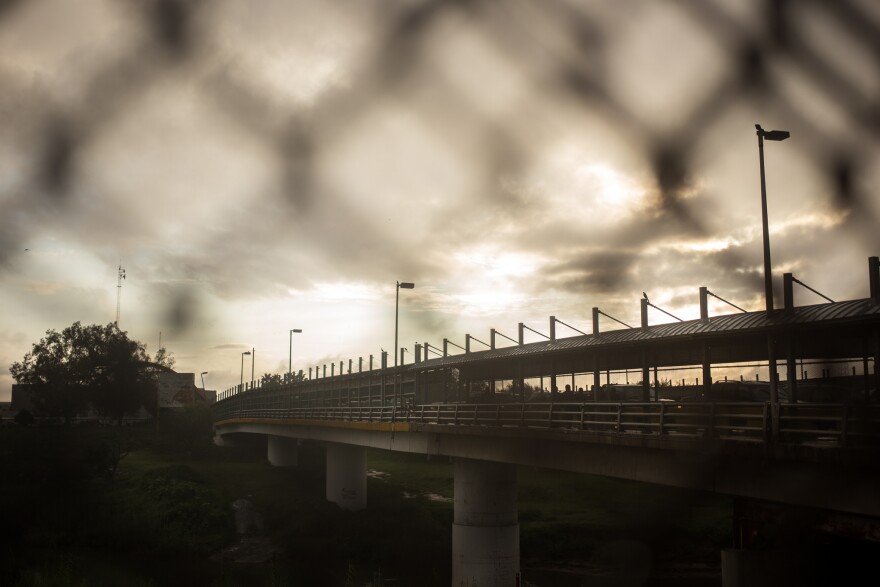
{"x":90,"y":366}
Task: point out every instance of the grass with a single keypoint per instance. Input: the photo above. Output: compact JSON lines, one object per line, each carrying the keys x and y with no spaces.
{"x":569,"y":516}
{"x":167,"y":510}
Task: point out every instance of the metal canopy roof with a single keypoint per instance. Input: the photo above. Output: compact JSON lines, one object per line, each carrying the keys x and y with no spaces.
{"x":864,"y":311}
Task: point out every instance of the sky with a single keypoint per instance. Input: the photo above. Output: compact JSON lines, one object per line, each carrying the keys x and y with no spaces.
{"x":259,"y":167}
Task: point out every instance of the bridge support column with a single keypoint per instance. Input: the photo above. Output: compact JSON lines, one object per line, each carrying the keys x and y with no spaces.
{"x":485,"y":529}
{"x":283,"y":451}
{"x":347,"y":476}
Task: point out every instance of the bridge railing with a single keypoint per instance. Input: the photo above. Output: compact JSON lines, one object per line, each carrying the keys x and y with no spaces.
{"x":823,"y":424}
{"x":834,"y":424}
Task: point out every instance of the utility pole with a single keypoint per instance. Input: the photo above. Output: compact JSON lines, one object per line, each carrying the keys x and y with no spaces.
{"x":120,"y":275}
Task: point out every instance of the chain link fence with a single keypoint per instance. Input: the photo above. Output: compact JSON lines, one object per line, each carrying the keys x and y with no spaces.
{"x":488,"y":82}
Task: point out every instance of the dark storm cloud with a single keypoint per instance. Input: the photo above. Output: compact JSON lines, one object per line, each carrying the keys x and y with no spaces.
{"x":598,"y":272}
{"x":243,"y":156}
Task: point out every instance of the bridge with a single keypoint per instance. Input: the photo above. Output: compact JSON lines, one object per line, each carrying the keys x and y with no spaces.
{"x":781,"y":446}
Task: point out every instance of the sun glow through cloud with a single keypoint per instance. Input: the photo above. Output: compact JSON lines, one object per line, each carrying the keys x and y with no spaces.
{"x":304,"y":156}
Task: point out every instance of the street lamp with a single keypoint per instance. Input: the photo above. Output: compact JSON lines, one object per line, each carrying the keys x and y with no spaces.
{"x":203,"y":378}
{"x":290,"y":352}
{"x":404,"y":285}
{"x":242,"y":366}
{"x":770,"y":135}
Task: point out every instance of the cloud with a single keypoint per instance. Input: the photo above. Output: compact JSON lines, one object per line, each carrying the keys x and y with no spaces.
{"x":292,"y":164}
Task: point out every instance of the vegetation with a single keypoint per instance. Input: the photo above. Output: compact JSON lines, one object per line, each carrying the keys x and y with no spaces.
{"x":95,"y":506}
{"x":84,"y":366}
{"x":270,"y":379}
{"x":571,"y":517}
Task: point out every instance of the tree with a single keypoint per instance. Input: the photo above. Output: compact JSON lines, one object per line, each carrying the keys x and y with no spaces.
{"x":84,"y":365}
{"x":120,"y":385}
{"x":270,"y":379}
{"x":164,"y":358}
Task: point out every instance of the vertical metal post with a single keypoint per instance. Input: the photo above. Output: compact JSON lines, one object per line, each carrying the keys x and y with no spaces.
{"x":791,"y":368}
{"x":874,"y":277}
{"x":253,"y":360}
{"x":382,"y":386}
{"x":396,"y":307}
{"x":876,"y":360}
{"x":552,"y":328}
{"x":774,"y":391}
{"x":521,"y":333}
{"x":768,"y":277}
{"x":597,"y":382}
{"x":644,"y":311}
{"x":520,"y":381}
{"x":418,"y":353}
{"x":492,"y":338}
{"x":704,"y":304}
{"x":595,"y":321}
{"x":788,"y":293}
{"x":445,"y":347}
{"x":707,"y":370}
{"x":467,"y":343}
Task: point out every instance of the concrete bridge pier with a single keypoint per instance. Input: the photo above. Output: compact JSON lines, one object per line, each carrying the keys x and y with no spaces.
{"x":485,"y":528}
{"x":347,"y":476}
{"x":283,"y":451}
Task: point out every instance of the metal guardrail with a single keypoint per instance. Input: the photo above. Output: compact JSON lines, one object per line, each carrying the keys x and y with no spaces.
{"x":820,"y":424}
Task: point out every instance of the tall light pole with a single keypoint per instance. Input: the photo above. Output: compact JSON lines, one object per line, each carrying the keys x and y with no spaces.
{"x":242,"y":366}
{"x":290,"y":352}
{"x":253,"y":360}
{"x":404,"y":285}
{"x":770,"y":135}
{"x":203,"y":378}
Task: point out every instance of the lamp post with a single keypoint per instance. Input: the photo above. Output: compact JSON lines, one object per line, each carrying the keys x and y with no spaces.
{"x":203,"y":378}
{"x":404,"y":285}
{"x":770,"y":135}
{"x":242,"y":367}
{"x":290,"y":352}
{"x":253,"y":360}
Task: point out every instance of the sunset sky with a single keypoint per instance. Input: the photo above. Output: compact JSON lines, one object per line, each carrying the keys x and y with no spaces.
{"x":278,"y":165}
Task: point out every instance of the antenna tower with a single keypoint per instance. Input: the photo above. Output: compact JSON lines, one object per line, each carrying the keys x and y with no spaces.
{"x":119,"y":277}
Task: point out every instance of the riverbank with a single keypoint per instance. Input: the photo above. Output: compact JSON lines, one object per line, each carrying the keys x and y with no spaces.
{"x":166,"y":516}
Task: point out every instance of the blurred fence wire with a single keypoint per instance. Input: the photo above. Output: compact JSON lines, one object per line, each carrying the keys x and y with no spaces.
{"x":564,"y":47}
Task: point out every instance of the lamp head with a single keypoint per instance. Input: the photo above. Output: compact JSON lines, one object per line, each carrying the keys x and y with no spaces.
{"x":406,"y":285}
{"x":299,"y":330}
{"x":776,"y":135}
{"x":772,"y":135}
